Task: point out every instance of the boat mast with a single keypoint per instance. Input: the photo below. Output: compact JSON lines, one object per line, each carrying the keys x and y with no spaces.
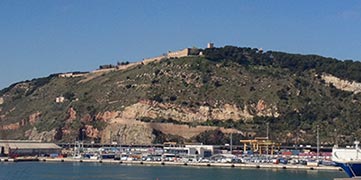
{"x":318,"y":142}
{"x":231,"y":143}
{"x":356,"y":147}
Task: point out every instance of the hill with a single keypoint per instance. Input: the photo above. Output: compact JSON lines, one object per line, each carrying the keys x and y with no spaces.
{"x":196,"y":98}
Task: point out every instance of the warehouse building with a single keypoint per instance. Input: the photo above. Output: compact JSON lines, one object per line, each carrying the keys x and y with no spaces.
{"x":16,"y":148}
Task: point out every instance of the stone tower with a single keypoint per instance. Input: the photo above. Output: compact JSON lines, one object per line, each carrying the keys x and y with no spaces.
{"x":210,"y":45}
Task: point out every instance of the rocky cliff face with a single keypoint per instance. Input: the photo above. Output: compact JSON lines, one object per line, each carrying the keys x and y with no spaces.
{"x":351,"y":86}
{"x":127,"y":121}
{"x":125,"y":127}
{"x":128,"y":134}
{"x":45,"y":136}
{"x":31,"y":120}
{"x":154,"y":109}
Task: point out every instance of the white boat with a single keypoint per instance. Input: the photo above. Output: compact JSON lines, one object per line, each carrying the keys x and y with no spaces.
{"x":349,"y":159}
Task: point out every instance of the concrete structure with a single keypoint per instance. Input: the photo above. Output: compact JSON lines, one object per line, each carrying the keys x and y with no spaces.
{"x":204,"y":150}
{"x":260,"y":144}
{"x":59,"y":99}
{"x":210,"y":45}
{"x":178,"y":54}
{"x":72,"y":75}
{"x":201,"y":150}
{"x":154,"y":59}
{"x":15,"y":148}
{"x":65,"y":75}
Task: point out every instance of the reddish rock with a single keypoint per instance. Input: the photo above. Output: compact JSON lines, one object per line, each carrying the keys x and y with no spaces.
{"x":13,"y":126}
{"x":34,"y":117}
{"x":86,"y":118}
{"x":65,"y":131}
{"x":261,"y":105}
{"x":106,"y":116}
{"x":71,"y":114}
{"x":91,"y":132}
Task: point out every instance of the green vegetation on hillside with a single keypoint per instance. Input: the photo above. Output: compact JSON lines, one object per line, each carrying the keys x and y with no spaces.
{"x":289,"y":84}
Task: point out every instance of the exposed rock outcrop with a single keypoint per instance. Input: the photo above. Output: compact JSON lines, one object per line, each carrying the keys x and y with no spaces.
{"x":351,"y":86}
{"x":71,"y":115}
{"x":12,"y":126}
{"x":34,"y":117}
{"x":262,"y":109}
{"x":86,"y":118}
{"x":124,"y":127}
{"x":119,"y":126}
{"x":91,"y":132}
{"x":1,"y":100}
{"x":154,"y":109}
{"x":45,"y":136}
{"x":107,"y":116}
{"x":128,"y":134}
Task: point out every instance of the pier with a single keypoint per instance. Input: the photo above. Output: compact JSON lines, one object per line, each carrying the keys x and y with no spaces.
{"x":167,"y":163}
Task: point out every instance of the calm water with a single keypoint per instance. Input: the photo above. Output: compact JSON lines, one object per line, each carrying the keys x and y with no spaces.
{"x":91,"y":171}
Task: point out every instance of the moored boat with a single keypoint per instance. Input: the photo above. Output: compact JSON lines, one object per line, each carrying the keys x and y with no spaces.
{"x":349,"y":159}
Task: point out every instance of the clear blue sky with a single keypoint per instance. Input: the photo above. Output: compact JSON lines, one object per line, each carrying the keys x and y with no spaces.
{"x":41,"y":37}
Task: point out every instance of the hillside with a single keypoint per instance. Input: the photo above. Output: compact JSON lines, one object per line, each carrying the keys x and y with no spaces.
{"x":192,"y":99}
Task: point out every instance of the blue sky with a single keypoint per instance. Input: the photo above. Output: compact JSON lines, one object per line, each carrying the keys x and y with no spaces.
{"x":41,"y":37}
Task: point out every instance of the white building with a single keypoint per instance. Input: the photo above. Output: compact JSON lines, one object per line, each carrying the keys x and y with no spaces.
{"x":201,"y":150}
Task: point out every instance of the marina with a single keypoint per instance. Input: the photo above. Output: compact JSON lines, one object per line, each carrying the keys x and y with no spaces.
{"x":171,"y":154}
{"x":230,"y":165}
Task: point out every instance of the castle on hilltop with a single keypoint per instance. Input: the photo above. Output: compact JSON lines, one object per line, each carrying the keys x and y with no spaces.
{"x":177,"y":54}
{"x":170,"y":55}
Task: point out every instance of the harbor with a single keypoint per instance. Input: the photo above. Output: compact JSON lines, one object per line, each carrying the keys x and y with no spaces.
{"x":200,"y":164}
{"x":172,"y":154}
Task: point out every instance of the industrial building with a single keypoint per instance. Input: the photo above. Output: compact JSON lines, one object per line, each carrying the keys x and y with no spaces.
{"x":16,"y":148}
{"x":200,"y":150}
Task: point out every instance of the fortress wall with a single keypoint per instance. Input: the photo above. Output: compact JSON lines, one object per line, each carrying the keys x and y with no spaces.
{"x":149,"y":60}
{"x":178,"y":54}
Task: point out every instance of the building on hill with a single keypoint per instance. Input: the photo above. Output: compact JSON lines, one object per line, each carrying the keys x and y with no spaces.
{"x":178,"y":54}
{"x":59,"y":99}
{"x":72,"y":74}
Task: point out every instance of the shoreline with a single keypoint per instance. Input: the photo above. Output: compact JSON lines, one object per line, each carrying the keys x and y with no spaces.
{"x":194,"y":164}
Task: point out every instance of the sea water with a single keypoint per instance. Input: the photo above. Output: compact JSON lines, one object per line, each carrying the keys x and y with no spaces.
{"x":104,"y":171}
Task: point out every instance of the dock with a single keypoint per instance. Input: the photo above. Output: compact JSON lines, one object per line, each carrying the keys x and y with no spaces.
{"x":169,"y":163}
{"x":196,"y":164}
